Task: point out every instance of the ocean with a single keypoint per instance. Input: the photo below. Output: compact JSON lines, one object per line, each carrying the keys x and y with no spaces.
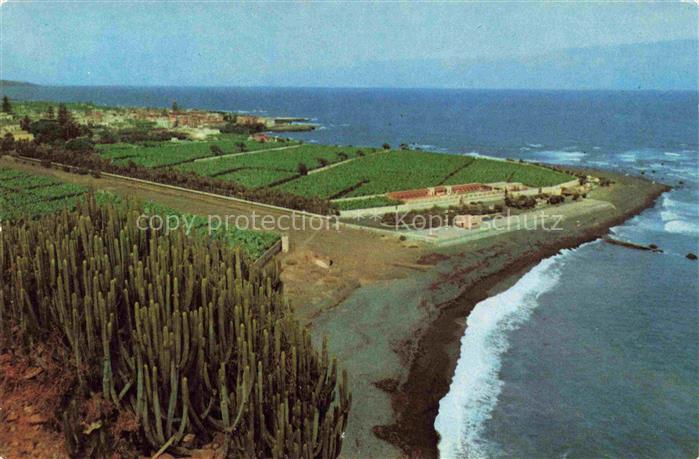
{"x":595,"y":351}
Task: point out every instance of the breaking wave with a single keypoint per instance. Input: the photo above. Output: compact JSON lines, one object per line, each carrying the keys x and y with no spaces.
{"x":682,"y":227}
{"x":476,"y":385}
{"x":561,"y":156}
{"x":475,"y":154}
{"x":677,"y":216}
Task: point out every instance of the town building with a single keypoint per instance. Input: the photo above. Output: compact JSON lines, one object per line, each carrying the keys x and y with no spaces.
{"x":263,"y":138}
{"x":472,"y":190}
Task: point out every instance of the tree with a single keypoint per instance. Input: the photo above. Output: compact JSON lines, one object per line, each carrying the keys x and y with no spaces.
{"x":8,"y":143}
{"x":556,"y":199}
{"x":63,"y":115}
{"x":71,"y":130}
{"x":80,"y":144}
{"x":45,"y":130}
{"x":6,"y":106}
{"x":49,"y":112}
{"x":49,"y":131}
{"x":386,"y":146}
{"x":302,"y":169}
{"x":216,"y":150}
{"x":175,"y":107}
{"x":108,"y":136}
{"x":24,"y":123}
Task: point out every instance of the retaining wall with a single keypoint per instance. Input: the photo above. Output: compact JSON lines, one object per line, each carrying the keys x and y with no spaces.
{"x":268,"y":255}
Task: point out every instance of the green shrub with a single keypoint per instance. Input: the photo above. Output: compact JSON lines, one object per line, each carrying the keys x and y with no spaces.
{"x":80,"y":144}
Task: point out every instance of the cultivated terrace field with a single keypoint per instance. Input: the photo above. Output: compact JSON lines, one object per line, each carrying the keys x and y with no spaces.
{"x":270,"y":170}
{"x":28,"y":196}
{"x":169,"y":153}
{"x":404,"y":170}
{"x":270,"y":167}
{"x":303,"y":170}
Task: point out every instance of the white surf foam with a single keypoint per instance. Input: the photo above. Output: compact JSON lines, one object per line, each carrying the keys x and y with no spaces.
{"x":668,"y":216}
{"x":682,"y":227}
{"x":475,"y":388}
{"x":679,"y":217}
{"x":628,"y":157}
{"x":562,"y":156}
{"x":426,"y":147}
{"x":475,"y":154}
{"x":682,"y":207}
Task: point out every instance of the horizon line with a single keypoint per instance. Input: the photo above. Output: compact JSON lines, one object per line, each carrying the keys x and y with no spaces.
{"x":27,"y":84}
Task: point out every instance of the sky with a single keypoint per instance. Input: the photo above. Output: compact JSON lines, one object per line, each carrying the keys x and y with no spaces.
{"x":228,"y":44}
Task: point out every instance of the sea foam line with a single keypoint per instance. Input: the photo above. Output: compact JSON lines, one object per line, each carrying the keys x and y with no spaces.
{"x":476,"y":385}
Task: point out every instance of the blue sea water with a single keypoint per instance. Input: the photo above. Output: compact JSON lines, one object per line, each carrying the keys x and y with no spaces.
{"x":594,"y":352}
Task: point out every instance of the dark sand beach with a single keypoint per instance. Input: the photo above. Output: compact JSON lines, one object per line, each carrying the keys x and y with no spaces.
{"x":398,"y":402}
{"x":394,"y":311}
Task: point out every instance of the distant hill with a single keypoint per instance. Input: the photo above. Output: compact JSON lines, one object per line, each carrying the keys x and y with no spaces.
{"x":10,"y":83}
{"x":664,"y":65}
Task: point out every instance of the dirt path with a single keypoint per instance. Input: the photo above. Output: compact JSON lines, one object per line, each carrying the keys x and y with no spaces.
{"x":330,"y":166}
{"x":231,"y":155}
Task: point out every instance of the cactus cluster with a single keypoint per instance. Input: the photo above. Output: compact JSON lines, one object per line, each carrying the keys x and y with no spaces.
{"x":183,"y":332}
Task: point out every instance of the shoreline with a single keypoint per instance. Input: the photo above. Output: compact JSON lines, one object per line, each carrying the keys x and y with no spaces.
{"x":416,"y":401}
{"x":394,"y":311}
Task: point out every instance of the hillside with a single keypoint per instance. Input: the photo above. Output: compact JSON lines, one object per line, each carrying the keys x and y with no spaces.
{"x":12,"y":83}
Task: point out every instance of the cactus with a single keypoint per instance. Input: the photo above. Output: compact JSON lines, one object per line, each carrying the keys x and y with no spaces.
{"x":186,"y":333}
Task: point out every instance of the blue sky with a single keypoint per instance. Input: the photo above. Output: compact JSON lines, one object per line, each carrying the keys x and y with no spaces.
{"x":200,"y":43}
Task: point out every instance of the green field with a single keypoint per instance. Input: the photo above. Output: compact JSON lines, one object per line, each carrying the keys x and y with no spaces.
{"x":24,"y":195}
{"x":253,"y":243}
{"x":257,"y":178}
{"x":27,"y":195}
{"x":369,"y":173}
{"x":404,"y":170}
{"x":262,"y":169}
{"x":488,"y":171}
{"x":161,"y":154}
{"x":378,"y":174}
